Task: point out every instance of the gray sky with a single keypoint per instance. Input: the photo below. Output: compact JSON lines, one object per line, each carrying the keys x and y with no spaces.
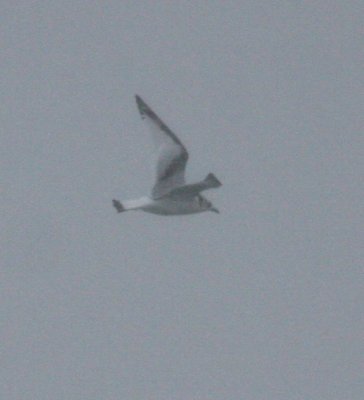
{"x":265,"y":300}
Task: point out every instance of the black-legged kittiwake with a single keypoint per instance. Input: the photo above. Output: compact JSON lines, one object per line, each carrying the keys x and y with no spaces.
{"x":170,"y":195}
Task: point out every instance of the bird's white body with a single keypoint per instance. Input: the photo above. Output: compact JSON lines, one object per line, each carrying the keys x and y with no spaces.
{"x":170,"y":194}
{"x":164,"y":206}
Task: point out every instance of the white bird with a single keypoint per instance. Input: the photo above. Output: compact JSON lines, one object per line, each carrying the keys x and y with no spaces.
{"x":170,"y":195}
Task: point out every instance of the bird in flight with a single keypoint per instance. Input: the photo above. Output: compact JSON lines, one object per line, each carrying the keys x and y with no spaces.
{"x":170,"y":194}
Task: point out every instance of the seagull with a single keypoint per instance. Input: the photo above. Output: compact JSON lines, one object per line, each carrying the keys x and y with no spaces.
{"x":170,"y":194}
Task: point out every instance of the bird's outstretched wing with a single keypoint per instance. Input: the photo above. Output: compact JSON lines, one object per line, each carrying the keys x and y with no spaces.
{"x":172,"y":154}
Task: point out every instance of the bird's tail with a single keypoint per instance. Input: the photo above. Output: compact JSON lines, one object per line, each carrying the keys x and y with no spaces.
{"x":119,"y":207}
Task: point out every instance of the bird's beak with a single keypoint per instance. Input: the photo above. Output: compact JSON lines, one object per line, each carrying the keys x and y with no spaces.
{"x":215,"y":210}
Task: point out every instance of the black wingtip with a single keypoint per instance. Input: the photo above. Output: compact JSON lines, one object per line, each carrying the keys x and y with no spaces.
{"x":140,"y":101}
{"x":142,"y":107}
{"x":213,"y":181}
{"x":119,"y":207}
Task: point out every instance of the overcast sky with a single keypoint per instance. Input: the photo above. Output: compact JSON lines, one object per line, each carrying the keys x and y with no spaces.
{"x":264,"y":301}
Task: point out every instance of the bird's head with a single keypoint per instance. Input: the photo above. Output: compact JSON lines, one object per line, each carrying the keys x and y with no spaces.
{"x":207,"y":205}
